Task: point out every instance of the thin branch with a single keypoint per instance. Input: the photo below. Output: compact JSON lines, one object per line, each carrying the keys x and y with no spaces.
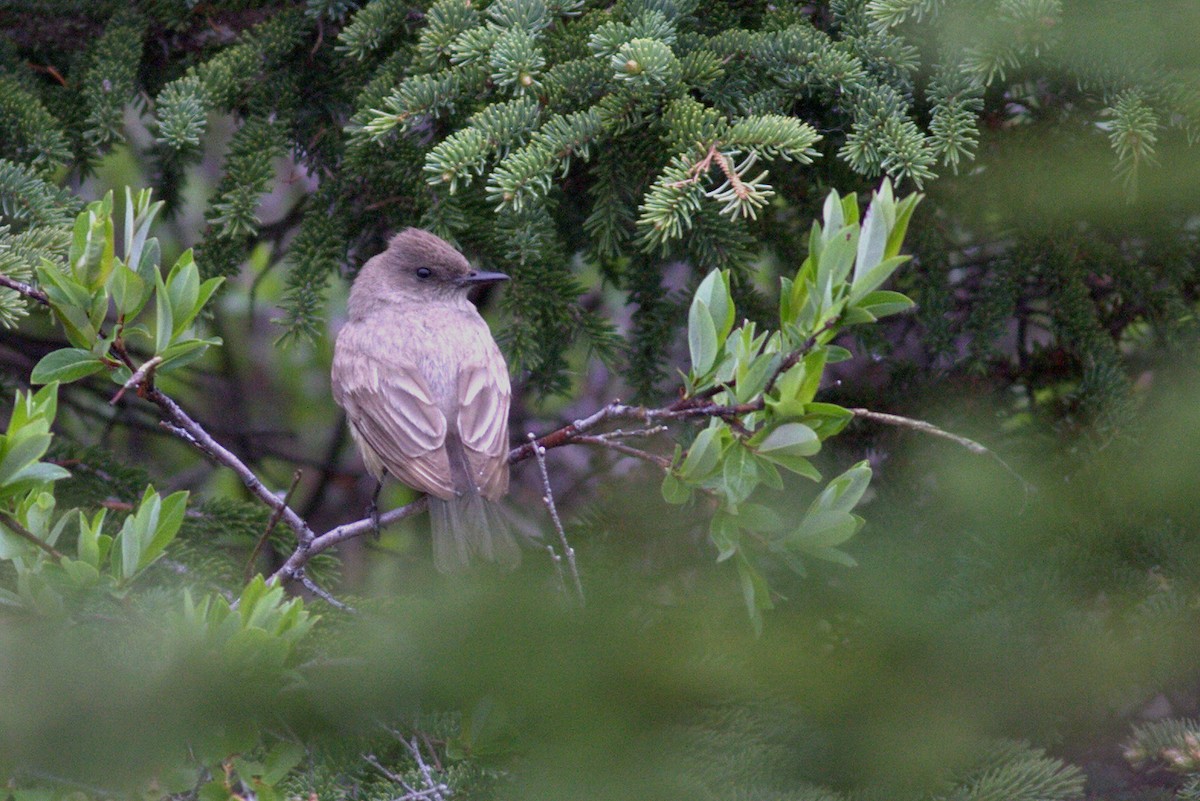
{"x":262,"y":541}
{"x":325,"y":595}
{"x":374,"y":762}
{"x":660,"y":462}
{"x":548,"y":499}
{"x":141,"y":375}
{"x":183,"y":425}
{"x":28,"y":290}
{"x":346,"y":531}
{"x":435,"y":790}
{"x":15,"y":527}
{"x":926,"y":427}
{"x":922,"y":426}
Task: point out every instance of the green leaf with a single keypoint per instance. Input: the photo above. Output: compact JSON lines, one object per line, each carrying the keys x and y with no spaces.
{"x":82,"y":574}
{"x":873,"y":240}
{"x":184,"y":353}
{"x":739,"y":478}
{"x":836,"y":353}
{"x":213,"y":791}
{"x":163,"y":324}
{"x":166,"y":522}
{"x":127,"y":549}
{"x":833,"y":216}
{"x":62,"y":289}
{"x":837,"y":259}
{"x":126,"y":287}
{"x":88,"y":548}
{"x":796,"y":464}
{"x":20,"y":451}
{"x":850,"y":209}
{"x":206,"y":291}
{"x":65,"y":365}
{"x":789,"y":439}
{"x":787,"y":395}
{"x":882,"y":302}
{"x":723,"y":532}
{"x":752,"y":376}
{"x":875,"y":277}
{"x":904,"y":211}
{"x":756,"y":517}
{"x":786,"y":313}
{"x":826,"y":529}
{"x":755,"y":591}
{"x":675,"y":491}
{"x":91,"y":253}
{"x":32,"y":477}
{"x":714,"y":293}
{"x":845,"y":491}
{"x":856,"y":316}
{"x":827,"y":419}
{"x":702,"y":338}
{"x":183,"y":289}
{"x":768,"y":472}
{"x":830,"y":554}
{"x":702,"y":457}
{"x":139,"y":216}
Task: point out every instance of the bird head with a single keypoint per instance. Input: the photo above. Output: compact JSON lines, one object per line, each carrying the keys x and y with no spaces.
{"x":422,"y":265}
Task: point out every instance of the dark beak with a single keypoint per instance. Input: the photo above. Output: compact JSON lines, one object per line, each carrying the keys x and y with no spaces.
{"x":476,"y":278}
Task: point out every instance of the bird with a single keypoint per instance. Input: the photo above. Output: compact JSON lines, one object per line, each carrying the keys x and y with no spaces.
{"x":426,"y":393}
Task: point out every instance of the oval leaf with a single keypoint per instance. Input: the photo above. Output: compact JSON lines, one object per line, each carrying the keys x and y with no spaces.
{"x":791,"y":439}
{"x":702,"y":337}
{"x":66,"y":365}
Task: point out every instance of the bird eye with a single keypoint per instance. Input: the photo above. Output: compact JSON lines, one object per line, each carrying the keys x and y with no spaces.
{"x":424,"y":272}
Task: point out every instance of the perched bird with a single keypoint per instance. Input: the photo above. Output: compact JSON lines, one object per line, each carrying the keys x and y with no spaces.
{"x":426,"y":392}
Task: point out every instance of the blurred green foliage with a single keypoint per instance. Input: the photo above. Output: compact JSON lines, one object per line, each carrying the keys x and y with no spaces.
{"x":1005,"y":631}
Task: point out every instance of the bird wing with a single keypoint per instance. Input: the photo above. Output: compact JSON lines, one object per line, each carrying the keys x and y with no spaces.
{"x":484,"y":394}
{"x":391,"y":410}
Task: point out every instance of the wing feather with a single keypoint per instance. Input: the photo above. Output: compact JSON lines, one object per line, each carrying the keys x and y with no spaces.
{"x":484,"y":396}
{"x":391,"y":411}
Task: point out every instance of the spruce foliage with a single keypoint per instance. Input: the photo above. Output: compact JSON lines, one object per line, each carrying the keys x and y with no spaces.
{"x":664,"y":130}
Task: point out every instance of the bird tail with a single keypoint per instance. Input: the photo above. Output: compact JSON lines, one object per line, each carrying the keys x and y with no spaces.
{"x":470,"y":526}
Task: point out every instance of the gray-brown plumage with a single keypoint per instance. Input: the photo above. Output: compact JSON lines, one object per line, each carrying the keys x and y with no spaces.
{"x":426,"y":392}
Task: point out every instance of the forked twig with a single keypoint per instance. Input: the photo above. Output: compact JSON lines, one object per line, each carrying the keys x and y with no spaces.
{"x":262,"y":540}
{"x":548,"y":498}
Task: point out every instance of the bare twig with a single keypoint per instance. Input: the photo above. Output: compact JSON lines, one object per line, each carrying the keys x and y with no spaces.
{"x":15,"y":527}
{"x":922,"y":426}
{"x":141,"y":375}
{"x":262,"y":541}
{"x":926,"y":427}
{"x":661,"y":462}
{"x":315,"y":589}
{"x":346,"y":531}
{"x":29,"y":291}
{"x":374,"y":762}
{"x":540,"y":453}
{"x":556,"y":560}
{"x":433,"y":790}
{"x":183,"y":425}
{"x":611,"y":440}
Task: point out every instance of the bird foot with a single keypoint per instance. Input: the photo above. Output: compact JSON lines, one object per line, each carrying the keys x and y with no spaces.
{"x":373,"y":509}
